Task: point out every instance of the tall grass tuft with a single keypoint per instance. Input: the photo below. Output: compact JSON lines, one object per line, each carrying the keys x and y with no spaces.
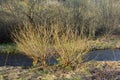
{"x":33,"y":41}
{"x":72,"y":49}
{"x":37,"y":41}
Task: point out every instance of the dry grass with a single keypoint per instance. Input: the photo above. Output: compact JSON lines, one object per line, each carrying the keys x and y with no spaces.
{"x":73,"y":52}
{"x":33,"y":41}
{"x":36,"y":42}
{"x":71,"y":47}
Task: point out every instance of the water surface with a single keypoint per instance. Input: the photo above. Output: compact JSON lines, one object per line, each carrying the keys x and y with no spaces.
{"x":104,"y":55}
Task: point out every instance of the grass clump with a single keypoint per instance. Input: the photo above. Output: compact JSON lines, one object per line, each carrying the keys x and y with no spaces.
{"x":40,"y":43}
{"x":72,"y":49}
{"x":73,"y":53}
{"x":33,"y":41}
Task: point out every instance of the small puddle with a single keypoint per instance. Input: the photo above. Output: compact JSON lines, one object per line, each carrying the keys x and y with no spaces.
{"x":20,"y":60}
{"x":23,"y":60}
{"x":104,"y":55}
{"x":15,"y":60}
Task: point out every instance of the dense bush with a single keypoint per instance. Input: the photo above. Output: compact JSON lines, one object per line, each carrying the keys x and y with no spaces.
{"x":85,"y":17}
{"x":43,"y":42}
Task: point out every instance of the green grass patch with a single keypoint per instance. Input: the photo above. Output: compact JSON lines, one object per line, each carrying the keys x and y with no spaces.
{"x":9,"y":48}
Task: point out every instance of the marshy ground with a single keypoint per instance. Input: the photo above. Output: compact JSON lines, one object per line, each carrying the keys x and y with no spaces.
{"x":59,"y":40}
{"x":101,"y":64}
